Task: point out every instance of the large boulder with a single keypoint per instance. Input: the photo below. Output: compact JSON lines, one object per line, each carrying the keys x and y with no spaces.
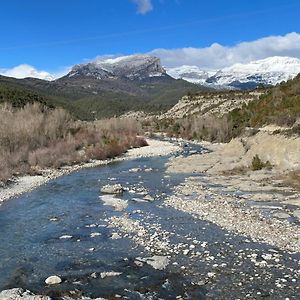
{"x":115,"y":189}
{"x":53,"y":280}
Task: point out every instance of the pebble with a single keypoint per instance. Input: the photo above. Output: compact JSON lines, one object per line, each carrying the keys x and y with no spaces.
{"x":211,"y":274}
{"x":94,"y":275}
{"x":115,"y":236}
{"x":186,"y":252}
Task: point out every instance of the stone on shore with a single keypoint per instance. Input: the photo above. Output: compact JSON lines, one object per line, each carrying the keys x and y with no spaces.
{"x":53,"y":280}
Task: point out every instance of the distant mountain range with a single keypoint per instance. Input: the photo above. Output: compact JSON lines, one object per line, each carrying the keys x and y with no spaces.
{"x":111,"y":87}
{"x":104,"y":88}
{"x":265,"y":72}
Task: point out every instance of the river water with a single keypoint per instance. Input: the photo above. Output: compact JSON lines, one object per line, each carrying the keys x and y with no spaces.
{"x":31,"y":247}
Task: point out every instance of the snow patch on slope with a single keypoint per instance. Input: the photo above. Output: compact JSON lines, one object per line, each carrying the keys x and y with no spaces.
{"x":269,"y":71}
{"x":130,"y":67}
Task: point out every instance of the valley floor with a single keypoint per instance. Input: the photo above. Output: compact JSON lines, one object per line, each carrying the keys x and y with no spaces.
{"x":253,"y":251}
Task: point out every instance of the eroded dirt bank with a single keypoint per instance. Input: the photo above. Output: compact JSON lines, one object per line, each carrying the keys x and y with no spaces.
{"x":225,"y":191}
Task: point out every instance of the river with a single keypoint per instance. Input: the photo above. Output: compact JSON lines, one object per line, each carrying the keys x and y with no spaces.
{"x":63,"y":228}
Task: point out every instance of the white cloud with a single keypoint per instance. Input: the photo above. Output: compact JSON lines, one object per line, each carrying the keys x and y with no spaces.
{"x":217,"y":56}
{"x":143,"y":6}
{"x":23,"y":71}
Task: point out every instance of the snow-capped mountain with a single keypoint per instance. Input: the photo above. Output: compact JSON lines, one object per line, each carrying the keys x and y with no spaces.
{"x":131,"y":67}
{"x":127,"y":79}
{"x":190,"y":73}
{"x":267,"y":72}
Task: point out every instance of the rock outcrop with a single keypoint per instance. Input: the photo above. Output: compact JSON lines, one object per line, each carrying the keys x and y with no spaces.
{"x":115,"y":189}
{"x":20,"y":294}
{"x":281,"y":151}
{"x":131,"y":67}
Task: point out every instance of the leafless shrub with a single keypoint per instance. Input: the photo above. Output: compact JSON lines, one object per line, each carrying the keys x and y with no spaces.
{"x":210,"y":128}
{"x":36,"y":137}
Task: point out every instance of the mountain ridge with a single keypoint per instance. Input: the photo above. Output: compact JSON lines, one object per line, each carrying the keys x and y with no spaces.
{"x":267,"y":72}
{"x":107,"y":88}
{"x":131,"y":67}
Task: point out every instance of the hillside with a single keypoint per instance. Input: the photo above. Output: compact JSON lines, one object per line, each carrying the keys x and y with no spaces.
{"x":104,"y":88}
{"x":221,"y":116}
{"x":18,"y":94}
{"x":280,"y":106}
{"x":213,"y":103}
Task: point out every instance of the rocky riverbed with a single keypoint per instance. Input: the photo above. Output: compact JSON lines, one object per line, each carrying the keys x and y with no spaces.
{"x":165,"y":235}
{"x":24,"y":184}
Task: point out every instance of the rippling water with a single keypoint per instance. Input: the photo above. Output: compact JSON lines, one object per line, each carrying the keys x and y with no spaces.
{"x":31,"y":226}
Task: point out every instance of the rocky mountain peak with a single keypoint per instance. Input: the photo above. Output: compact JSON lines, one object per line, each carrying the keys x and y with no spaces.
{"x":131,"y":67}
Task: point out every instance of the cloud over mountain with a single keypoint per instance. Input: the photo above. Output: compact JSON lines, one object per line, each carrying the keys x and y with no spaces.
{"x":24,"y":70}
{"x":218,"y":56}
{"x":213,"y":57}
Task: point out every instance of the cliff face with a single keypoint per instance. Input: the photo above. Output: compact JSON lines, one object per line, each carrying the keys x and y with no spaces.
{"x":281,"y":151}
{"x":133,"y":67}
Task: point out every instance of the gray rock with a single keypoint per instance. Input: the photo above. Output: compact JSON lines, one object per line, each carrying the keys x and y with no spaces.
{"x":134,"y":170}
{"x":211,"y":274}
{"x":296,"y":213}
{"x":64,"y":237}
{"x":109,"y":274}
{"x":115,"y":236}
{"x":53,"y":280}
{"x":112,"y":189}
{"x":156,"y":261}
{"x":149,"y":198}
{"x":20,"y":294}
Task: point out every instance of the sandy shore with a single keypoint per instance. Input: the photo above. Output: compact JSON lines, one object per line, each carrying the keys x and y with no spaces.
{"x":27,"y":183}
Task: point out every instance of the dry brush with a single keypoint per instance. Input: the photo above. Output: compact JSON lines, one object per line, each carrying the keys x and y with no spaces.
{"x":36,"y":137}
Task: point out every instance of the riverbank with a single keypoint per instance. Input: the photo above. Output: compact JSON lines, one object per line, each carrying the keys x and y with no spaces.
{"x":227,"y":192}
{"x":28,"y":183}
{"x":147,"y":246}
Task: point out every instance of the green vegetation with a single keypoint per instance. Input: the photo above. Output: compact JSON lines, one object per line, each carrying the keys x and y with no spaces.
{"x":258,"y":164}
{"x":19,"y":97}
{"x":98,"y":100}
{"x":281,"y":106}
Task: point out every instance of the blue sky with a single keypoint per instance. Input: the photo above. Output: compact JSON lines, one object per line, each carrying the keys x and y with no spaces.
{"x":52,"y":35}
